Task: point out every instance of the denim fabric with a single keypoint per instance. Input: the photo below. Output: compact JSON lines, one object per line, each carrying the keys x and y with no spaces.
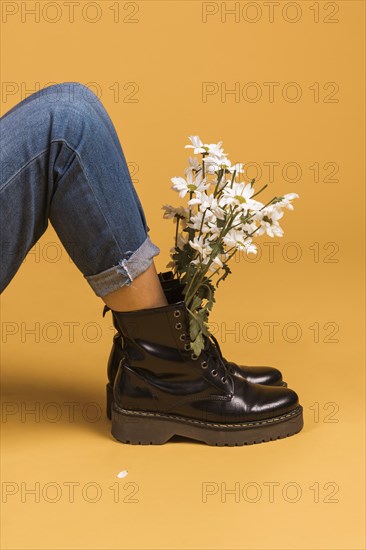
{"x":61,"y":160}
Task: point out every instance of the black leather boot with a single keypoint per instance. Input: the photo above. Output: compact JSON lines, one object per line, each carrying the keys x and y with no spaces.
{"x":163,"y":389}
{"x":173,"y":291}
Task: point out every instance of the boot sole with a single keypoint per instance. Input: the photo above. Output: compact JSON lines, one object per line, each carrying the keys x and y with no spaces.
{"x":149,"y":428}
{"x":110,"y":398}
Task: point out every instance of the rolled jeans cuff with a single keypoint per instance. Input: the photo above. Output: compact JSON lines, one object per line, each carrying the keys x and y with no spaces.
{"x":127,"y":269}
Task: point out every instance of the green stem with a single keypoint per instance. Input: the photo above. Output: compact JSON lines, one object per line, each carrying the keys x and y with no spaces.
{"x":186,"y":296}
{"x":216,"y":191}
{"x":190,"y":229}
{"x":260,"y":190}
{"x":227,"y":261}
{"x":232,"y":179}
{"x":200,"y":230}
{"x":192,"y":289}
{"x":252,"y":215}
{"x":176,"y":233}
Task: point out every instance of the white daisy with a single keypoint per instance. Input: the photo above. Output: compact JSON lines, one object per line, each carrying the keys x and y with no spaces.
{"x":190,"y":184}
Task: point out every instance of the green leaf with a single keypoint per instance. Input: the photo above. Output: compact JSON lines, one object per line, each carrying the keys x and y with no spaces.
{"x":196,"y":302}
{"x":194,"y":328}
{"x":227,"y":270}
{"x":198,"y":344}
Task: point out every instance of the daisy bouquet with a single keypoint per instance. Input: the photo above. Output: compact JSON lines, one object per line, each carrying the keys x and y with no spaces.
{"x":222,"y":217}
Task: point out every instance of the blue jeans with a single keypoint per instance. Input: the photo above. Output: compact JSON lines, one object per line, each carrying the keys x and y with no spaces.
{"x":61,"y":160}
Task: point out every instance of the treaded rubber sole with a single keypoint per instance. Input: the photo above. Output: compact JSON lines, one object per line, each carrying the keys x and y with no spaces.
{"x":149,"y":428}
{"x":110,"y":399}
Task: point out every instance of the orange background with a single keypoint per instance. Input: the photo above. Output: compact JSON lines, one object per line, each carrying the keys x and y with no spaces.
{"x":316,"y":303}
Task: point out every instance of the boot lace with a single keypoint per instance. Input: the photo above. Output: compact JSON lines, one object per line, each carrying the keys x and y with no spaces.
{"x":217,"y":350}
{"x":213,"y":348}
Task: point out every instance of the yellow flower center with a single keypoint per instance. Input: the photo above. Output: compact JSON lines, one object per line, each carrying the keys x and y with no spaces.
{"x":240,"y":198}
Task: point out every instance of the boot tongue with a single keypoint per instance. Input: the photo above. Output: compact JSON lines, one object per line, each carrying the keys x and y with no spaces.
{"x":174,"y":293}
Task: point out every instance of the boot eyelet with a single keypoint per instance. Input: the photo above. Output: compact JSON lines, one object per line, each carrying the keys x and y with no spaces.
{"x":182,"y":337}
{"x":223,"y":380}
{"x":177,"y":313}
{"x":204,"y":364}
{"x":194,"y":356}
{"x":214,"y":372}
{"x":187,"y":346}
{"x":178,"y":326}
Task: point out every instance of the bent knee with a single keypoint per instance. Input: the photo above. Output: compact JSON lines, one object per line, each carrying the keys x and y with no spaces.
{"x":69,"y":95}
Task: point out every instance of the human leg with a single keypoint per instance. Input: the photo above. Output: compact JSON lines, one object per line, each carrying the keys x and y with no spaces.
{"x":61,"y":160}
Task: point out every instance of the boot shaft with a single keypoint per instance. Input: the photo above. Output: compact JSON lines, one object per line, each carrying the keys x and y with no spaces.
{"x":156,"y":341}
